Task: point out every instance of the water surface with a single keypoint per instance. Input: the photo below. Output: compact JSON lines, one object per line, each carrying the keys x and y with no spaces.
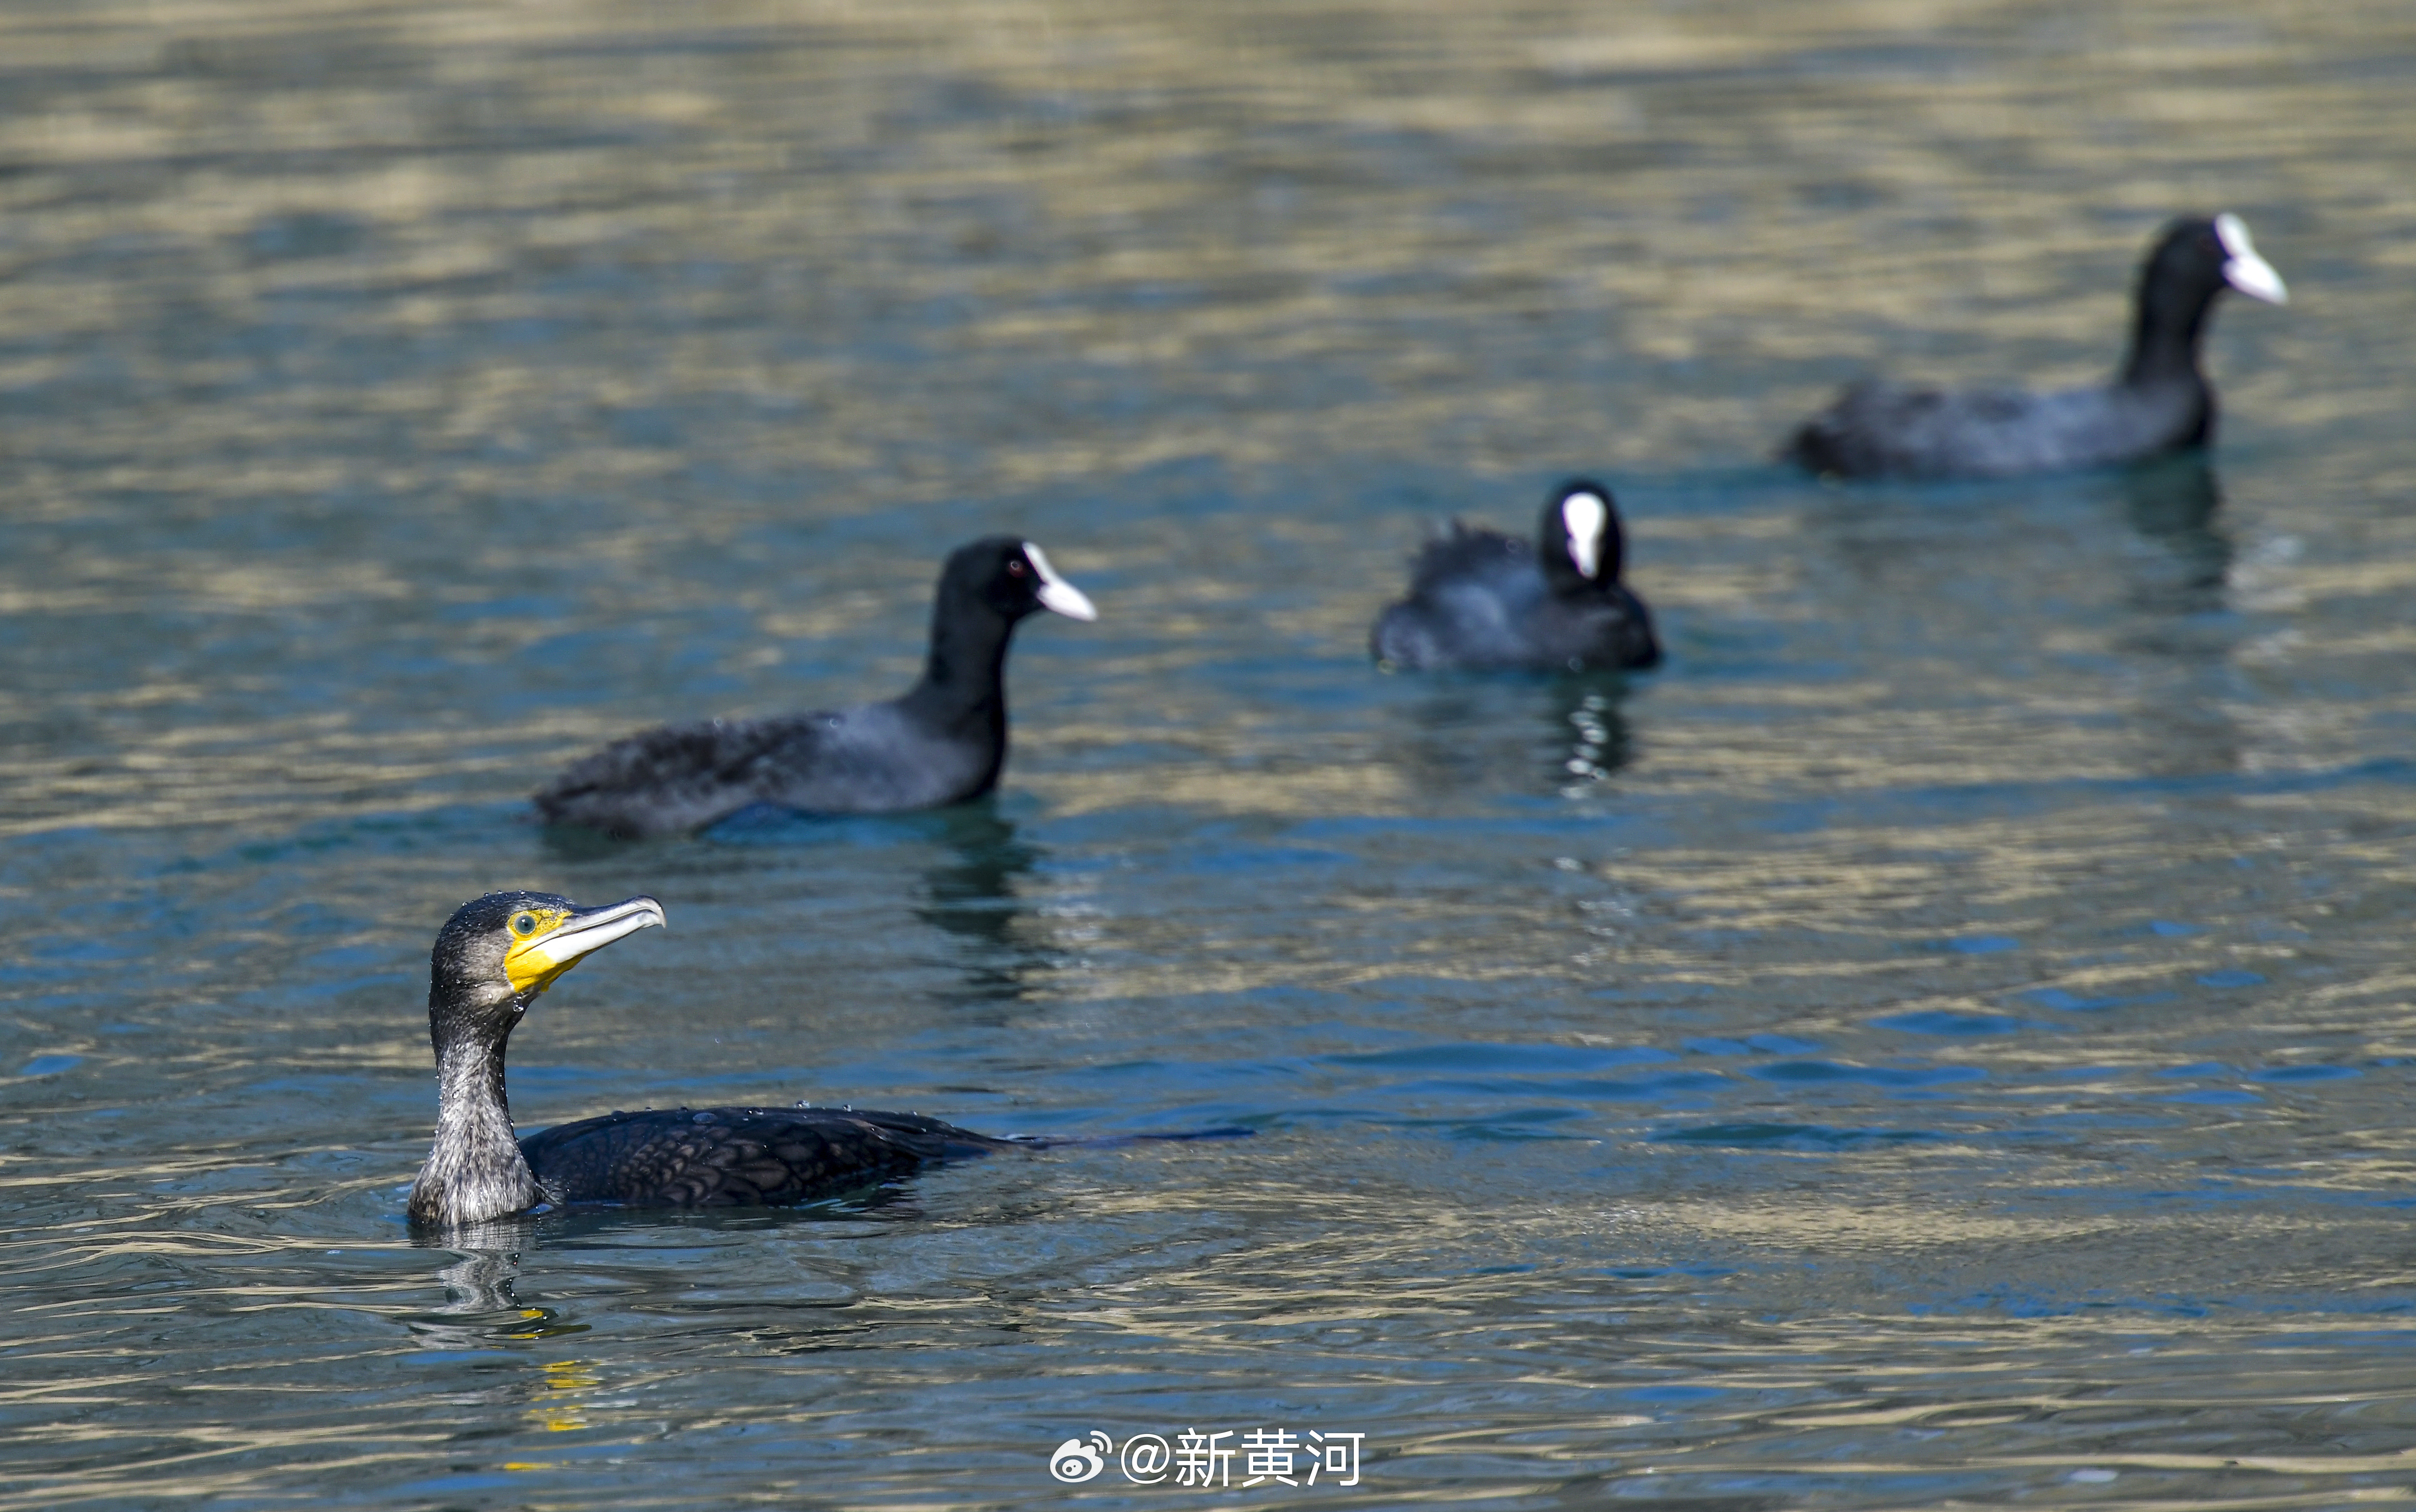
{"x":1944,"y":1038}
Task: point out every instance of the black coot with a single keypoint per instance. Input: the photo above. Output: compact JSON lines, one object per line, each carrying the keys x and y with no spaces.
{"x":2159,"y":402}
{"x":943,"y":742}
{"x":1480,"y":599}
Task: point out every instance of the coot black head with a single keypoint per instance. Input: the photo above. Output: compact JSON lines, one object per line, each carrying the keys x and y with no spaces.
{"x":1578,"y":543}
{"x":2194,"y":261}
{"x":1011,"y":577}
{"x":986,"y":588}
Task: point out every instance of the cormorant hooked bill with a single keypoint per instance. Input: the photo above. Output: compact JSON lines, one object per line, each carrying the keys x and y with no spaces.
{"x":491,"y":960}
{"x":943,"y":742}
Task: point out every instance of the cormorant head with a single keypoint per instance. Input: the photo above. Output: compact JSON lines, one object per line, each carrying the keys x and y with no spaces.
{"x":498,"y":952}
{"x":1013,"y":578}
{"x":1578,"y":543}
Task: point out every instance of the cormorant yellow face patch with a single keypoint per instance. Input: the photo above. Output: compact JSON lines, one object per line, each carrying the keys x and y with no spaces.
{"x":547,"y":941}
{"x":529,"y":962}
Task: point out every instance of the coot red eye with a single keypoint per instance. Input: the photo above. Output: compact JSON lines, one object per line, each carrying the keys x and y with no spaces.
{"x":1015,"y":567}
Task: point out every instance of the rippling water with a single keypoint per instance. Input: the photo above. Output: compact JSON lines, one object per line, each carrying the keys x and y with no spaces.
{"x":1945,"y":1038}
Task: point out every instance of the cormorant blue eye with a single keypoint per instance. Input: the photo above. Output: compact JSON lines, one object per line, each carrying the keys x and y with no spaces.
{"x":525,"y":925}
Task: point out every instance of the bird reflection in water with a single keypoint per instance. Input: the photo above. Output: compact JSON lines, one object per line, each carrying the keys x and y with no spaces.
{"x":480,"y":1310}
{"x":974,"y":894}
{"x":2180,"y":592}
{"x":2172,"y":504}
{"x":479,"y":1307}
{"x":1521,"y":732}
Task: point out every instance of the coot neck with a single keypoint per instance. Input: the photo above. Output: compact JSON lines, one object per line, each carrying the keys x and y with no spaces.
{"x":964,"y":679}
{"x":1561,"y":574}
{"x":1563,"y":580}
{"x":2164,"y":334}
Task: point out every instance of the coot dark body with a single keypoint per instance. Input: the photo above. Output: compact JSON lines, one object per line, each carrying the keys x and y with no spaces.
{"x":1481,"y":600}
{"x":943,"y":742}
{"x":2158,"y":403}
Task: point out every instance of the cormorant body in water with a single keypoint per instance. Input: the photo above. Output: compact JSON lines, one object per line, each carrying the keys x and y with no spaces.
{"x":943,"y":742}
{"x":2159,"y":402}
{"x":491,"y":960}
{"x":1482,"y":600}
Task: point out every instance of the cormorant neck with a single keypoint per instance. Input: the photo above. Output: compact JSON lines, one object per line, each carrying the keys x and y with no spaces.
{"x":476,"y":1171}
{"x":470,"y":1086}
{"x":964,"y":679}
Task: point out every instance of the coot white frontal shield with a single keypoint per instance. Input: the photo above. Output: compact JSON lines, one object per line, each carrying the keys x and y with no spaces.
{"x":2243,"y":268}
{"x":1582,"y":516}
{"x":1055,"y":592}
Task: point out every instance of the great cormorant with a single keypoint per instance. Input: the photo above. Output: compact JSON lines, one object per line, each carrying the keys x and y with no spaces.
{"x":491,"y":960}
